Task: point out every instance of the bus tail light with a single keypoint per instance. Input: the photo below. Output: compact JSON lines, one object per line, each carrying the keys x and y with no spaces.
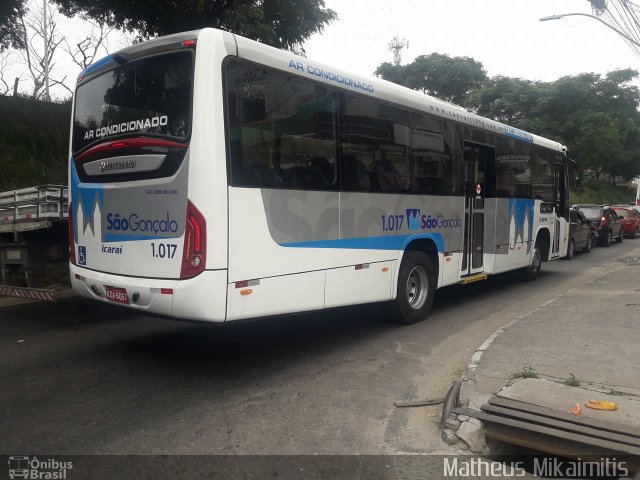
{"x":72,"y":243}
{"x":195,"y":245}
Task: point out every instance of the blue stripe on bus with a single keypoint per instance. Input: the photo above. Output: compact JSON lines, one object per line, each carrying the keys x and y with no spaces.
{"x":98,"y":64}
{"x":112,"y":238}
{"x":389,"y":242}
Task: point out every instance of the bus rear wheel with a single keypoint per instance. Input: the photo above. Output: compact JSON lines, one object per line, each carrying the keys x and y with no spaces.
{"x":416,"y":288}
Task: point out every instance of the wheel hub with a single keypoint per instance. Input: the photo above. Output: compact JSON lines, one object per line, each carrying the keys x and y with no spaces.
{"x":417,"y":287}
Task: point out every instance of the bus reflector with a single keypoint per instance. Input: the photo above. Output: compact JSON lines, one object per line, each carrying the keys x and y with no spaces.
{"x":72,"y":242}
{"x":385,"y":269}
{"x":195,"y":245}
{"x":246,"y":291}
{"x":166,"y":291}
{"x":242,"y":284}
{"x":188,"y":43}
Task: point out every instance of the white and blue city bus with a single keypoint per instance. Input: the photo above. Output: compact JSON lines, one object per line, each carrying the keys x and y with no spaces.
{"x":214,"y":178}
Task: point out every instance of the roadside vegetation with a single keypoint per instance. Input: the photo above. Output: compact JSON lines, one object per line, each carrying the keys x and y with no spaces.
{"x":601,"y":192}
{"x":596,"y":116}
{"x":34,"y":139}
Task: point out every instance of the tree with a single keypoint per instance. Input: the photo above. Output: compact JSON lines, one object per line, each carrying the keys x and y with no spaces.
{"x":439,"y":75}
{"x":10,"y":33}
{"x":281,"y":23}
{"x":7,"y":79}
{"x":596,"y":117}
{"x":42,"y":39}
{"x":86,"y":49}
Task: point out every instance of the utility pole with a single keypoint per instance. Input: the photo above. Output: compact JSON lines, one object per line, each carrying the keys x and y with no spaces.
{"x":46,"y":53}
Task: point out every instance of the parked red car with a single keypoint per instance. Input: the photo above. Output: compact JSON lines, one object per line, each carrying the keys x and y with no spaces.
{"x":630,"y":219}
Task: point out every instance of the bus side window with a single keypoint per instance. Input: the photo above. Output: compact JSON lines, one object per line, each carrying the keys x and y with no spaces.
{"x":432,"y":168}
{"x":354,"y":174}
{"x":374,"y":145}
{"x":281,"y":129}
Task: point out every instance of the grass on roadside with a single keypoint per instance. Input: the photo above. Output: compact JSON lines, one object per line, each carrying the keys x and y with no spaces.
{"x":599,"y":192}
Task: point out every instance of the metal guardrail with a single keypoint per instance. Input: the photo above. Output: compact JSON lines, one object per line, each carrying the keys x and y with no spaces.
{"x":32,"y":232}
{"x":32,"y":208}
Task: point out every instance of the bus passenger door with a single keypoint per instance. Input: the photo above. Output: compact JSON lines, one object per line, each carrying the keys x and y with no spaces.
{"x":478,"y":160}
{"x":560,"y":228}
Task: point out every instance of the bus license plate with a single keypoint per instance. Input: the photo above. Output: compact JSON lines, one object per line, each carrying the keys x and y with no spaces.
{"x":118,"y":295}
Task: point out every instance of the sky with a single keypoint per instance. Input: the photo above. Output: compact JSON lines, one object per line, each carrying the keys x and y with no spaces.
{"x":504,"y":35}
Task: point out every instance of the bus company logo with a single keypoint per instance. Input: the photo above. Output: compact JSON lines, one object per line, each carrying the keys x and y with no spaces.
{"x":33,"y":468}
{"x":106,"y":166}
{"x":133,"y":223}
{"x":413,"y":218}
{"x":416,"y":221}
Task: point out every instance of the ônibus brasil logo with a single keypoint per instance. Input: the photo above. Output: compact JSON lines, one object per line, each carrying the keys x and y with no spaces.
{"x":416,"y":221}
{"x":134,"y":223}
{"x":38,"y":469}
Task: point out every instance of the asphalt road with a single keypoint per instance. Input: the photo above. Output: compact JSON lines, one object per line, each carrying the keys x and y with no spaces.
{"x":84,"y":378}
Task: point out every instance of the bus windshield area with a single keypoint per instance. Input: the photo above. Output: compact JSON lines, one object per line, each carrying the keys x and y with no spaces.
{"x":151,"y":96}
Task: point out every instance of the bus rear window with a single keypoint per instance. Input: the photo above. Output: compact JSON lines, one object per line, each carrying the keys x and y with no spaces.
{"x":151,"y":97}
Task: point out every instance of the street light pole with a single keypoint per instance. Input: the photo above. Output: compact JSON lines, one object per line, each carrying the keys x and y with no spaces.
{"x":562,"y":15}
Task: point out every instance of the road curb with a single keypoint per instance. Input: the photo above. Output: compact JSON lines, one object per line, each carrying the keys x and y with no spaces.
{"x":474,"y":429}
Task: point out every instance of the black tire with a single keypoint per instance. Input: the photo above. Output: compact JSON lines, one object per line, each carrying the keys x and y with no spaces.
{"x":531,"y":272}
{"x":607,"y":240}
{"x":587,"y":247}
{"x":571,"y":249}
{"x":416,"y":288}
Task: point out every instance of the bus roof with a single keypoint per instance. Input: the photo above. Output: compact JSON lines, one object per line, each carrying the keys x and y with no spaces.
{"x":338,"y":78}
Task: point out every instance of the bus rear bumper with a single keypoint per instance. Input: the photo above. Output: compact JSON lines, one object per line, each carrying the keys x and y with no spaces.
{"x":202,"y":298}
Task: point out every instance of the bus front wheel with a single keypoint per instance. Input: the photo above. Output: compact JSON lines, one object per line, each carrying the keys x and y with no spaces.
{"x":531,"y":272}
{"x":416,"y":288}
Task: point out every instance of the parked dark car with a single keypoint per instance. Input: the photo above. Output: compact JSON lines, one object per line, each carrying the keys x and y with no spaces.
{"x":581,"y":237}
{"x":604,"y":221}
{"x":630,"y":219}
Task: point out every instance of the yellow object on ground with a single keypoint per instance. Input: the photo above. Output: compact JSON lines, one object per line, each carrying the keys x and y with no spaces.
{"x":600,"y":405}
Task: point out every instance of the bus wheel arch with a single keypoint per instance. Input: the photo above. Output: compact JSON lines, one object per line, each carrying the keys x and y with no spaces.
{"x":541,"y":249}
{"x":429,"y":248}
{"x":543,"y":240}
{"x":416,"y":282}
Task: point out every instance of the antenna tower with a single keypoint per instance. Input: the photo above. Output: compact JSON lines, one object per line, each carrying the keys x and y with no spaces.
{"x":395,"y":46}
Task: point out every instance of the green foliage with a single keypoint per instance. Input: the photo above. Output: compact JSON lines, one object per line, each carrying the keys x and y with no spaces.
{"x":602,"y":193}
{"x":572,"y":381}
{"x":596,"y":117}
{"x":10,"y":33}
{"x":439,"y":75}
{"x":527,"y":372}
{"x":280,"y":23}
{"x":34,"y":142}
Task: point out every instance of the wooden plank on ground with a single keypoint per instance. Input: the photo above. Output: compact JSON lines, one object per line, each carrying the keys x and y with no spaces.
{"x":554,"y":446}
{"x":566,"y":416}
{"x":560,"y":424}
{"x":523,"y":428}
